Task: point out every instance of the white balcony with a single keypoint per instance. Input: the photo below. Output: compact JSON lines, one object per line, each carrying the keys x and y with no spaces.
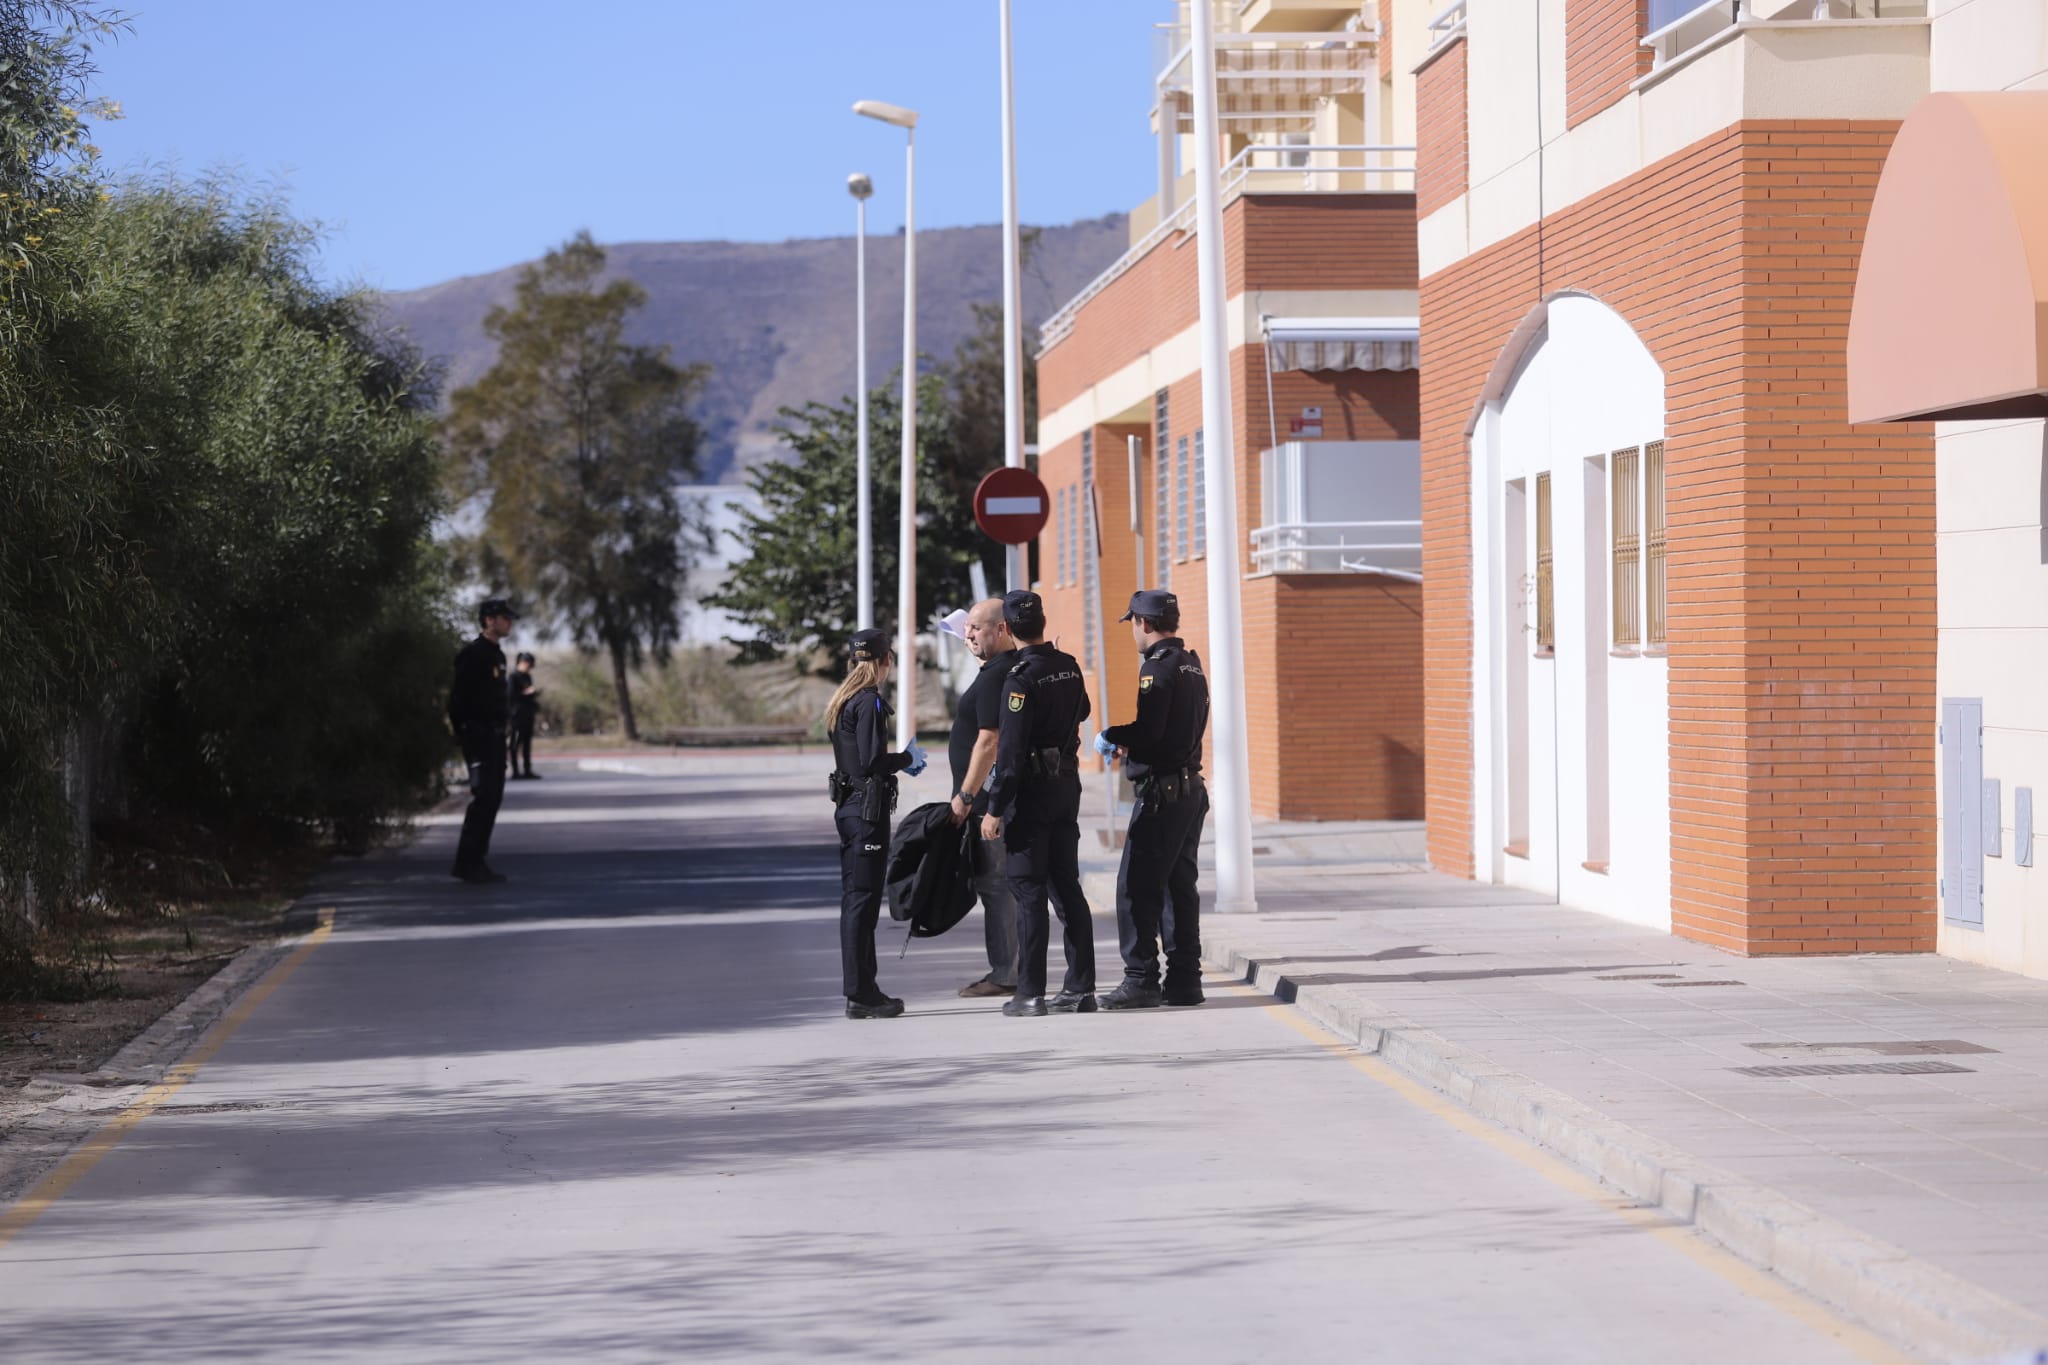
{"x":1681,"y":30}
{"x":1268,"y":80}
{"x":1340,"y":507}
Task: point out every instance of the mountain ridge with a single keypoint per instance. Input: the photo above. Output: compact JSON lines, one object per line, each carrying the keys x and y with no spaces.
{"x":775,"y":320}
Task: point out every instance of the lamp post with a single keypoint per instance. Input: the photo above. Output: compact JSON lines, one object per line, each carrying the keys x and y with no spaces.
{"x":906,"y":553}
{"x":1013,"y":322}
{"x":860,"y":187}
{"x":1234,"y":888}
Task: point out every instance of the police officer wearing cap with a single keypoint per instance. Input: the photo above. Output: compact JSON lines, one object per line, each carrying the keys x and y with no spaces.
{"x":1035,"y":808}
{"x":1156,"y":896}
{"x":863,"y":794}
{"x":476,"y":712}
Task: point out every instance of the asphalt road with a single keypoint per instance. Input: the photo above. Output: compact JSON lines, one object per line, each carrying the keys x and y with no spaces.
{"x":611,"y":1110}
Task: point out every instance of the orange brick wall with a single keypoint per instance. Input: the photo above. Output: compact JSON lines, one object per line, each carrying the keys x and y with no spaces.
{"x":1440,"y":162}
{"x":1318,"y":749}
{"x":1330,"y":241}
{"x":1802,"y":752}
{"x":1603,"y":54}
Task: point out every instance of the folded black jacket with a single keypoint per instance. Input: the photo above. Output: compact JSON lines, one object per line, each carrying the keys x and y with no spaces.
{"x":930,"y":873}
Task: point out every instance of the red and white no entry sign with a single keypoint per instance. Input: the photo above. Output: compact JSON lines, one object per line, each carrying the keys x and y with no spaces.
{"x":1011,"y":505}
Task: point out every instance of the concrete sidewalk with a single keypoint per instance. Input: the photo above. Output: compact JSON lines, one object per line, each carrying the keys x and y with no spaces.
{"x":1872,"y":1129}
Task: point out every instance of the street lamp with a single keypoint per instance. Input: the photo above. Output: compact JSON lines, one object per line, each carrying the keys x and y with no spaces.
{"x":906,"y":551}
{"x":860,"y":187}
{"x":1013,"y":323}
{"x":1232,"y":785}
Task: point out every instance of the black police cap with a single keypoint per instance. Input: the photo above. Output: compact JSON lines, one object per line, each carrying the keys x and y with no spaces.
{"x":495,"y":606}
{"x":1022,"y":608}
{"x":1152,"y":603}
{"x":869,"y":646}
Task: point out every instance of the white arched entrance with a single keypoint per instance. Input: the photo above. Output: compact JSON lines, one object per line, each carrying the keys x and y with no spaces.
{"x":1571,"y":727}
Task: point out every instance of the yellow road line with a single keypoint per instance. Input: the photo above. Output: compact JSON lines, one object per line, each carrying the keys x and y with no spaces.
{"x":1746,"y":1278}
{"x":72,"y":1169}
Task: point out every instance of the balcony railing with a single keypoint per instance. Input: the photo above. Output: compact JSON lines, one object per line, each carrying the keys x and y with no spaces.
{"x":1264,"y":169}
{"x":1448,"y":26}
{"x":1680,"y":28}
{"x":1391,"y":548}
{"x":1340,"y":507}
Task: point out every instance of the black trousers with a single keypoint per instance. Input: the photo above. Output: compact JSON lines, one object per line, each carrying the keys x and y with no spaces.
{"x":521,"y":745}
{"x":1042,"y":858}
{"x":863,"y":860}
{"x":486,"y":793}
{"x":1156,"y":897}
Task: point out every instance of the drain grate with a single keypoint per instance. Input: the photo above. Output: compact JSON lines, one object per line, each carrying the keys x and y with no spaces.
{"x":1855,"y":1069}
{"x":1641,"y":976}
{"x":1668,"y":985}
{"x":1883,"y":1047}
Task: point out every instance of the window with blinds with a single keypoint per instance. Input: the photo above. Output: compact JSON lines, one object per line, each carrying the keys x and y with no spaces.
{"x":1064,"y":534}
{"x":1162,"y":459}
{"x":1201,"y":500}
{"x":1628,"y":548}
{"x":1091,"y":590}
{"x":1180,"y":499}
{"x":1546,"y":593}
{"x":1653,"y":540}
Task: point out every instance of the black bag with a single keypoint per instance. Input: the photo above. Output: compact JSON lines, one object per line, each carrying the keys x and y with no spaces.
{"x":930,"y":871}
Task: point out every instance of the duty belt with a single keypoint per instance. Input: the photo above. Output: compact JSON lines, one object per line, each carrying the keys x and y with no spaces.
{"x":1051,"y":762}
{"x":877,"y":794}
{"x":1166,"y":786}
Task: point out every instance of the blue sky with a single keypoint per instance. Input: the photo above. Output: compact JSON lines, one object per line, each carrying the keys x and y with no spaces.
{"x":438,"y":138}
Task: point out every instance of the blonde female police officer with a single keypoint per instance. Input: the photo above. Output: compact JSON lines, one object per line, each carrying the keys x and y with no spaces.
{"x":863,"y":794}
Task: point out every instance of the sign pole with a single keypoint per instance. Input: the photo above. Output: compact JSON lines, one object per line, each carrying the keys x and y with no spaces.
{"x":1101,"y":661}
{"x":1232,"y":785}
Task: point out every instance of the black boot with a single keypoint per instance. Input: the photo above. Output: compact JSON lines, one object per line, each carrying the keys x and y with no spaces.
{"x":1183,"y":993}
{"x":1132,"y":995}
{"x":883,"y":1007}
{"x":1024,"y":1006}
{"x":1072,"y":1002}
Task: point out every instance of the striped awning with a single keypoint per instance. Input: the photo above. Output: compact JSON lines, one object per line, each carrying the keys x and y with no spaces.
{"x":1343,"y":344}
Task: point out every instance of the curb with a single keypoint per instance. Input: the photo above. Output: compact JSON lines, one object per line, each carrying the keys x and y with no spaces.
{"x":54,"y":1113}
{"x":1915,"y":1304}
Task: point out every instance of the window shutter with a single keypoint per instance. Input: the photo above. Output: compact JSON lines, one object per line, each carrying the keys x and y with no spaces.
{"x":1546,"y":606}
{"x":1653,"y":539}
{"x":1628,"y":550}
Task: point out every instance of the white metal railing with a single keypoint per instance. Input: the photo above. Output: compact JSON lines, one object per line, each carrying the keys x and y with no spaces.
{"x":1353,"y":168}
{"x":1338,"y":547}
{"x":1448,"y":25}
{"x":1681,"y":27}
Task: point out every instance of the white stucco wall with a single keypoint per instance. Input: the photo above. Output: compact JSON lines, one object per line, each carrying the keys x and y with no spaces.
{"x":1991,"y":553}
{"x":1586,"y":388}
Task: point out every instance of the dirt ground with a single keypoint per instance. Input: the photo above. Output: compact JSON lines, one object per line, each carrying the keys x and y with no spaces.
{"x":133,"y":971}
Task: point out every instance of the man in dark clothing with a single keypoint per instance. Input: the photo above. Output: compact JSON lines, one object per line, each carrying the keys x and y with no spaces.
{"x":1156,"y":894}
{"x":973,"y":754}
{"x":524,"y":699}
{"x":1035,"y":807}
{"x":476,"y":712}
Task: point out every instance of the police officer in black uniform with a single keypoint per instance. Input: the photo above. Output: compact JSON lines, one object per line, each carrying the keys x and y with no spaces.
{"x":1035,"y":808}
{"x":1162,"y":751}
{"x":476,"y":712}
{"x":863,"y":795}
{"x":524,"y":699}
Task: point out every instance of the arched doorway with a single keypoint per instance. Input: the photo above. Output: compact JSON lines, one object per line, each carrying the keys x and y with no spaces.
{"x":1571,"y":717}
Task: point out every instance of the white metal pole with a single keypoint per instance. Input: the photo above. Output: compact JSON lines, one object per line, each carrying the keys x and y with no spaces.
{"x":906,"y":547}
{"x":1013,"y":322}
{"x":1235,"y":892}
{"x":865,"y":510}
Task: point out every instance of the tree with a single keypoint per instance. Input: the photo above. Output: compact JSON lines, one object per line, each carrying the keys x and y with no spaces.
{"x":574,"y":445}
{"x":797,"y":585}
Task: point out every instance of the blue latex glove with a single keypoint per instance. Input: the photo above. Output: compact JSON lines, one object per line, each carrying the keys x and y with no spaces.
{"x":1103,"y":746}
{"x":917,"y":758}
